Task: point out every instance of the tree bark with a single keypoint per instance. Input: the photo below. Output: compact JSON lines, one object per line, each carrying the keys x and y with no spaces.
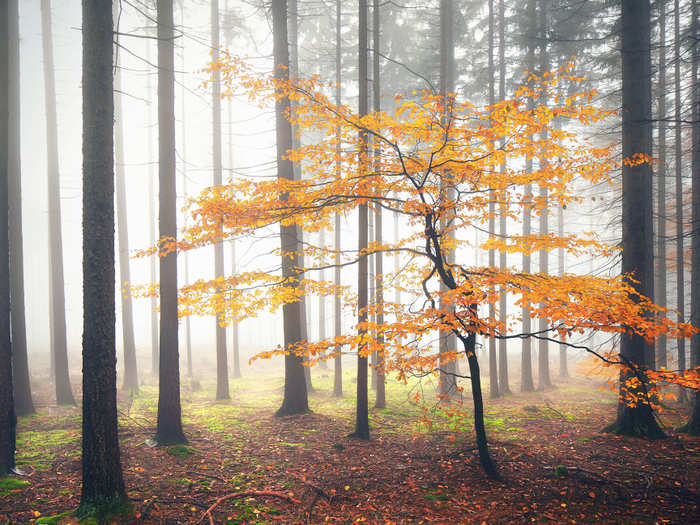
{"x":694,"y":423}
{"x":131,"y":380}
{"x":543,"y":353}
{"x":103,"y":485}
{"x":20,"y":361}
{"x":295,"y":396}
{"x":169,"y":429}
{"x":660,"y":287}
{"x":362,"y":411}
{"x":337,"y":312}
{"x":222,"y":387}
{"x":448,"y":383}
{"x":8,"y":420}
{"x":637,"y":225}
{"x":526,"y":382}
{"x":64,"y":394}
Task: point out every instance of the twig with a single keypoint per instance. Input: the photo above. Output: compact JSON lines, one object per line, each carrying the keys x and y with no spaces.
{"x":245,"y":494}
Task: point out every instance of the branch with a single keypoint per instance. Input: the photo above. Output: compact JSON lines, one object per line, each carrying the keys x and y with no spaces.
{"x":245,"y":494}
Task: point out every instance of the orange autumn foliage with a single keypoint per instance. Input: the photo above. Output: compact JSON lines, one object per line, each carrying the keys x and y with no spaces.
{"x":426,"y":146}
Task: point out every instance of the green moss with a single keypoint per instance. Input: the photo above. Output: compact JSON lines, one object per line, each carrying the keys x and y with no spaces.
{"x":12,"y":483}
{"x":181,"y":451}
{"x":104,"y":511}
{"x":560,"y":471}
{"x":53,"y":520}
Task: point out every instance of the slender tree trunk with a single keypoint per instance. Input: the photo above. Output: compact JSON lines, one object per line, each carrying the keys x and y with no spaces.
{"x":543,"y":354}
{"x":155,"y":351}
{"x":493,"y":367}
{"x":103,"y":485}
{"x":563,"y":361}
{"x":222,"y":387}
{"x":660,"y":287}
{"x":500,"y":386}
{"x":362,"y":411}
{"x":131,"y":379}
{"x":678,"y":165}
{"x":694,"y":423}
{"x":8,"y":420}
{"x":637,"y":223}
{"x":380,"y":401}
{"x":169,"y":429}
{"x":527,"y":383}
{"x":183,"y":169}
{"x":448,"y":384}
{"x":337,"y":313}
{"x":64,"y":394}
{"x":20,"y":362}
{"x":295,"y":397}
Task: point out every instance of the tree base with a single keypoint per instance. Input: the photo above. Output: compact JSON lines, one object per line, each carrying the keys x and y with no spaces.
{"x":286,"y":411}
{"x":638,"y":429}
{"x":364,"y":436}
{"x":104,"y":510}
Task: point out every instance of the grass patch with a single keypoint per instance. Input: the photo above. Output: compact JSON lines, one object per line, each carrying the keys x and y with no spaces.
{"x":181,"y":451}
{"x":53,"y":520}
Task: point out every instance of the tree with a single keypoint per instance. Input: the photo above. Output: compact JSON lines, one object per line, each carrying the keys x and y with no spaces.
{"x":493,"y":359}
{"x":637,"y":227}
{"x":169,"y":429}
{"x":20,"y":362}
{"x":380,"y":401}
{"x":8,"y":420}
{"x":222,"y":387}
{"x":526,"y":382}
{"x":295,"y":396}
{"x":418,"y":162}
{"x":361,"y":410}
{"x":64,"y":394}
{"x":495,"y":375}
{"x":543,"y":350}
{"x":661,"y":216}
{"x":131,"y":378}
{"x":448,"y":385}
{"x":103,"y":486}
{"x":337,"y":312}
{"x":694,"y":423}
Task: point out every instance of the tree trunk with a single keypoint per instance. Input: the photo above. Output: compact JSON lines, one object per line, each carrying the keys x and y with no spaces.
{"x":502,"y":383}
{"x":64,"y":394}
{"x":295,"y":396}
{"x":169,"y":429}
{"x":155,"y":352}
{"x":8,"y":420}
{"x":527,"y":383}
{"x":222,"y":387}
{"x":362,"y":411}
{"x":131,"y":380}
{"x":678,"y":165}
{"x":543,"y":354}
{"x":380,"y":401}
{"x":448,"y":383}
{"x":660,"y":287}
{"x":103,"y":485}
{"x":337,"y":312}
{"x":20,"y":362}
{"x":183,"y":134}
{"x":637,"y":226}
{"x":694,"y":423}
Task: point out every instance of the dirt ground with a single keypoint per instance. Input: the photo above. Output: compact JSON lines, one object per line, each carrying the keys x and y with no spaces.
{"x":557,"y":466}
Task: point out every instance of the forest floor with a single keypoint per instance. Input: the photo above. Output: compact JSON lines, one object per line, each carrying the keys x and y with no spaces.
{"x":557,"y":466}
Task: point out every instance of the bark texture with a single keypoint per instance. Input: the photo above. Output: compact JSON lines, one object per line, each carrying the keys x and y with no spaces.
{"x":103,"y":484}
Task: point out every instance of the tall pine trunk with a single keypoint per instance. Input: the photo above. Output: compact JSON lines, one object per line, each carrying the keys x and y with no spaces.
{"x":660,"y":287}
{"x":20,"y":361}
{"x":362,"y":411}
{"x":526,"y":382}
{"x":131,"y":381}
{"x":155,"y":351}
{"x":222,"y":387}
{"x":295,"y":396}
{"x":337,"y":312}
{"x":8,"y":420}
{"x":103,"y":485}
{"x":169,"y":429}
{"x":637,"y":223}
{"x":64,"y":394}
